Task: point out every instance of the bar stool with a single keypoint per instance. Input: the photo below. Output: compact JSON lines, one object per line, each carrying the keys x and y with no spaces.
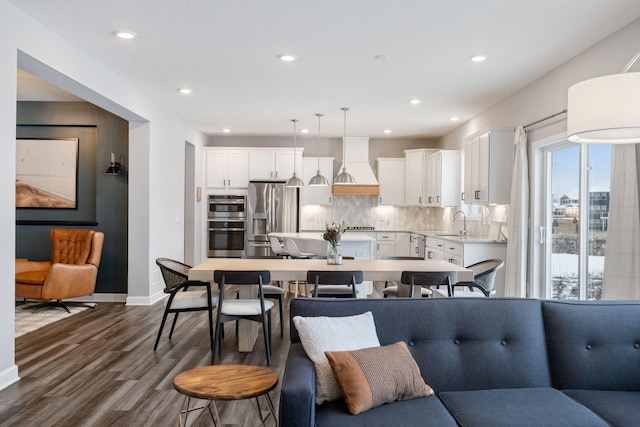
{"x":291,"y":247}
{"x":277,"y":248}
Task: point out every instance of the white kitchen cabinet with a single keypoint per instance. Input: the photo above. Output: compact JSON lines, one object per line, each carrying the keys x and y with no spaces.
{"x":442,"y":178}
{"x":414,"y":172}
{"x":391,"y":180}
{"x":466,"y":253}
{"x":274,"y":163}
{"x":403,"y":244}
{"x":386,"y":244}
{"x":226,"y":168}
{"x":313,"y":195}
{"x":488,"y":165}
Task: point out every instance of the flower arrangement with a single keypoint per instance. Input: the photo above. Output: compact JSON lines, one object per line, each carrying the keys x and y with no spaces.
{"x":333,"y":232}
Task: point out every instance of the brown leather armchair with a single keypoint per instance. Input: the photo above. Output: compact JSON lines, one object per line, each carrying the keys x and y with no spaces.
{"x":72,"y":272}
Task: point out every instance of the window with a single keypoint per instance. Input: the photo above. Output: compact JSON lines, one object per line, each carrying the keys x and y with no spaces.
{"x":572,"y":216}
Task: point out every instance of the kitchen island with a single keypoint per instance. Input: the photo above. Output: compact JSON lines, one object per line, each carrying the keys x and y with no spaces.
{"x":357,"y":245}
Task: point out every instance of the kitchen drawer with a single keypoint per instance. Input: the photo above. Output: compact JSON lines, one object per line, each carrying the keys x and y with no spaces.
{"x":431,"y":242}
{"x":454,"y":259}
{"x":453,"y":248}
{"x":386,"y":237}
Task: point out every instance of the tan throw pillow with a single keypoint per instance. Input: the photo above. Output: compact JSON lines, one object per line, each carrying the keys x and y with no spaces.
{"x":373,"y":376}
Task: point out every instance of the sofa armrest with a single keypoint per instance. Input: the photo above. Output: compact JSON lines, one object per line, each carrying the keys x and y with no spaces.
{"x":298,"y":392}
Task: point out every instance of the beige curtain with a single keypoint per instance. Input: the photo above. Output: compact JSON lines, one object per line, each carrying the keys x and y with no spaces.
{"x":516,"y":262}
{"x":622,"y":254}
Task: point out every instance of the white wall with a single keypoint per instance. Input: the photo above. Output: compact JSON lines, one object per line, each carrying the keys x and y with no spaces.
{"x":548,"y":95}
{"x":155,"y":160}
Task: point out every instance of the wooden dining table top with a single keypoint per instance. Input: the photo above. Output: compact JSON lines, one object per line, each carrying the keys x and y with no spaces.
{"x":296,"y":269}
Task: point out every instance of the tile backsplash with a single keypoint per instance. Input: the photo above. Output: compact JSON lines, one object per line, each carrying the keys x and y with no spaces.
{"x":364,"y":211}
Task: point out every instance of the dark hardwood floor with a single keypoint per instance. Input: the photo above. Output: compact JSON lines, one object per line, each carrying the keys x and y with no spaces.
{"x":98,"y":368}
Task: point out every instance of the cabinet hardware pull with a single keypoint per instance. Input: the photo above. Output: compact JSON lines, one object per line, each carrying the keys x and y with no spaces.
{"x":542,"y":240}
{"x":462,"y":196}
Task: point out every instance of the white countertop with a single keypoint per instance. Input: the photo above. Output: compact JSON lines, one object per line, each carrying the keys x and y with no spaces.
{"x":317,"y":235}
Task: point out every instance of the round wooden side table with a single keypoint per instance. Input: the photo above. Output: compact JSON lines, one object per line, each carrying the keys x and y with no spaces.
{"x":226,"y":382}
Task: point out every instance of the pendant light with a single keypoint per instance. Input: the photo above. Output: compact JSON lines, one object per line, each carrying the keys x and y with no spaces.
{"x":318,"y":180}
{"x":294,"y":181}
{"x":604,"y":110}
{"x":344,"y":177}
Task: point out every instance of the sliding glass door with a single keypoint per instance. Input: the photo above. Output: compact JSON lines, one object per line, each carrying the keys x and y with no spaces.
{"x":573,"y":230}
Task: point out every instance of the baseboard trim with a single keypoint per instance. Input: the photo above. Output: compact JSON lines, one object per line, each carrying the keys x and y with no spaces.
{"x":102,"y":298}
{"x":150,"y":300}
{"x":8,"y":377}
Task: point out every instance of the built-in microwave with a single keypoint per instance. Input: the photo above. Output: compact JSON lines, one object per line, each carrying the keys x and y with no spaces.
{"x":227,"y":206}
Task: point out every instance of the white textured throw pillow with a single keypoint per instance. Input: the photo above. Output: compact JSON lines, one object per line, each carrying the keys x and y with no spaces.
{"x":320,"y":334}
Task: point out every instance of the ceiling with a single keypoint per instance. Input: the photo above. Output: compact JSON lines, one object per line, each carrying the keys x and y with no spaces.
{"x":370,"y":55}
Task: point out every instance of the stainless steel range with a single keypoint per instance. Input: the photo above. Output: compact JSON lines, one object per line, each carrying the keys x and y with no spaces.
{"x":226,"y":225}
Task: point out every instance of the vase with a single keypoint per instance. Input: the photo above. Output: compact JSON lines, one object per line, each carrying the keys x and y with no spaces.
{"x":334,"y":254}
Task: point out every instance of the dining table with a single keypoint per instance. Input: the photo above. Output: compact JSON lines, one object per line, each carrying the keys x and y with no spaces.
{"x":296,"y":270}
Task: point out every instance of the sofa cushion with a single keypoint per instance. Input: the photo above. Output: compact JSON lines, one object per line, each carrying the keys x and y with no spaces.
{"x":423,"y":412}
{"x":619,"y":408}
{"x":458,"y":343}
{"x":321,"y":334}
{"x":592,"y":344}
{"x":521,"y":407}
{"x":372,"y":376}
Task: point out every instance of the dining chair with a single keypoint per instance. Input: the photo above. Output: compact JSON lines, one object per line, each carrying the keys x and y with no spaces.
{"x":277,"y":248}
{"x":425,"y":278}
{"x":182,"y":298}
{"x":391,"y":289}
{"x":254,"y":309}
{"x":272,"y":291}
{"x":335,"y":284}
{"x":484,"y":276}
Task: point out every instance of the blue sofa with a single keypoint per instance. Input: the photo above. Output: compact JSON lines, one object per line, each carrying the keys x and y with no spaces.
{"x":492,"y":362}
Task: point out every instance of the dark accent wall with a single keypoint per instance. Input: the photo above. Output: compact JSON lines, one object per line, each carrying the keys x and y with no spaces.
{"x":102,"y":199}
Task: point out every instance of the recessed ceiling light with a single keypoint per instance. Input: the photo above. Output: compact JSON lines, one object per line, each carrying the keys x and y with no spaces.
{"x":381,"y":57}
{"x":185,"y":91}
{"x":454,"y":118}
{"x":286,"y":57}
{"x":478,"y":58}
{"x":304,"y":131}
{"x":127,"y":35}
{"x":387,"y":131}
{"x":226,"y":130}
{"x":415,"y":101}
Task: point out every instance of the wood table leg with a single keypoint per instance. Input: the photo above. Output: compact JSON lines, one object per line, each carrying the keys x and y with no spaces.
{"x":247,"y":330}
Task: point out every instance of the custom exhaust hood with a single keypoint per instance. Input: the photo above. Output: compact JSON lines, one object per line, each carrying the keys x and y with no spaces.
{"x":356,"y":161}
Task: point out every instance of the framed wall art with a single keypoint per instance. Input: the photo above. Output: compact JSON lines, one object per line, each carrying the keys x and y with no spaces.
{"x":47,"y":173}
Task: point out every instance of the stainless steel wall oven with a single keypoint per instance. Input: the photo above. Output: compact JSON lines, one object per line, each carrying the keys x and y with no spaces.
{"x":226,"y":225}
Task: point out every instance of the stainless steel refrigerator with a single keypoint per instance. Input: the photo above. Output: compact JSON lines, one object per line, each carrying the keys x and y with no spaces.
{"x":271,"y":207}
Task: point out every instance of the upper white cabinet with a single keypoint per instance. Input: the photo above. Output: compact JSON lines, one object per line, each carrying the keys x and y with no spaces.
{"x":488,"y":164}
{"x":226,"y":168}
{"x":442,"y":178}
{"x":414,"y":173}
{"x":274,"y":163}
{"x":311,"y":195}
{"x":391,"y":180}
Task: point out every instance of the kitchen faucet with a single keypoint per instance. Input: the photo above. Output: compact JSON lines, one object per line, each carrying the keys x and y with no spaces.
{"x":463,"y":232}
